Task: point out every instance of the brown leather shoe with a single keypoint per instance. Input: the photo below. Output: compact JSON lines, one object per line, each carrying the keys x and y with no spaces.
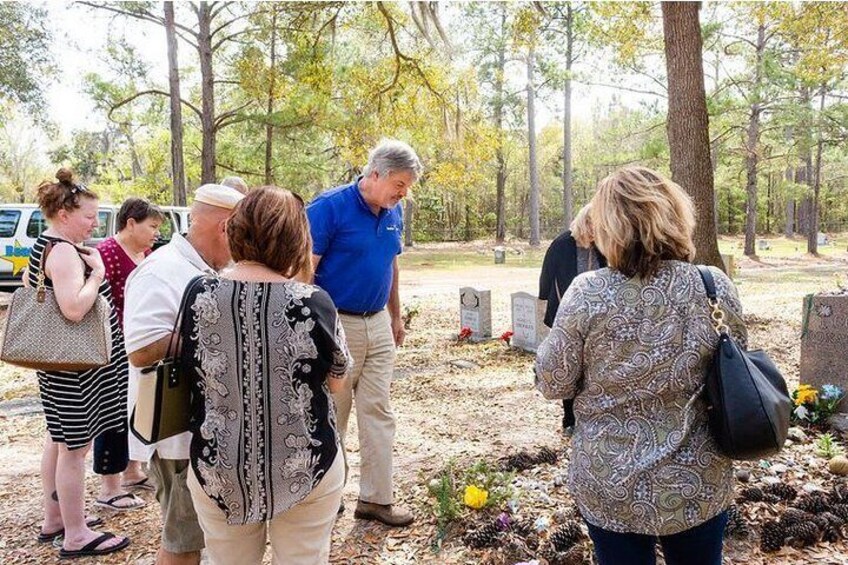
{"x":389,"y":514}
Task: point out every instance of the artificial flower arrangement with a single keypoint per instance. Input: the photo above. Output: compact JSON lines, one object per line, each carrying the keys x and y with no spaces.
{"x":465,"y":333}
{"x":814,"y":406}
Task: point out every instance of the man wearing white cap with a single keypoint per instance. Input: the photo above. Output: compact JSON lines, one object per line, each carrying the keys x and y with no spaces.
{"x":152,"y":301}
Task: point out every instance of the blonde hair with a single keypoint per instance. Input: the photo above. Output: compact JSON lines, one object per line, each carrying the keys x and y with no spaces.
{"x":581,"y":227}
{"x":641,"y":218}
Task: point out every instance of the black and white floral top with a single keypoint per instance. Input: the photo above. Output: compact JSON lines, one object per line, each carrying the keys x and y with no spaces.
{"x":633,"y":354}
{"x":264,"y":430}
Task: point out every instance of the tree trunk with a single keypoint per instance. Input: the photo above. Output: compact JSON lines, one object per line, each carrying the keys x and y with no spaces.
{"x":531,"y":138}
{"x":567,"y":180}
{"x":813,"y":236}
{"x":207,"y":93}
{"x":714,"y":165}
{"x":500,"y":197}
{"x":177,"y":164}
{"x":789,"y":227}
{"x":269,"y":110}
{"x":688,"y":122}
{"x":408,"y":218}
{"x":752,"y":150}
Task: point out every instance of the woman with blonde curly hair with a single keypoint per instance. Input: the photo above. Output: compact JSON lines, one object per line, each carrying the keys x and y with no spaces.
{"x":631,"y":344}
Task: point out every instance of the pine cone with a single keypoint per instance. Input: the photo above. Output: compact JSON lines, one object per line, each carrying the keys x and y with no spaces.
{"x":547,"y":456}
{"x":486,"y":536}
{"x":574,"y":556}
{"x":517,"y":462}
{"x":522,"y":528}
{"x":771,"y":536}
{"x":803,"y":534}
{"x":830,"y":526}
{"x":841,"y":510}
{"x":794,"y":516}
{"x":782,"y":490}
{"x":566,"y":536}
{"x":814,"y":503}
{"x":736,"y":524}
{"x":839,"y":494}
{"x":752,"y":494}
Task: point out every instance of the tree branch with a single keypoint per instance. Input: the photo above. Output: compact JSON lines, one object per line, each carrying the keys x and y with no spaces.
{"x":619,"y":87}
{"x":145,"y":92}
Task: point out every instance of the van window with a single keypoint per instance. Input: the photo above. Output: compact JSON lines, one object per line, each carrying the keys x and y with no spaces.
{"x":36,"y":224}
{"x":102,"y":231}
{"x":9,"y":222}
{"x":166,"y":230}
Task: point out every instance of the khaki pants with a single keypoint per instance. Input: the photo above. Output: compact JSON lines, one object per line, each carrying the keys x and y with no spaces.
{"x":180,"y":531}
{"x":372,"y":347}
{"x":299,"y":536}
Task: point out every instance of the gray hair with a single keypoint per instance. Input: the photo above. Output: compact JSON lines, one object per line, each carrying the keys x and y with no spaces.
{"x":236,"y":183}
{"x":392,"y":155}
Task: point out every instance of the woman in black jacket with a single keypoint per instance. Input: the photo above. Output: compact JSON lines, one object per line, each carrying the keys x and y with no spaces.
{"x":569,"y":255}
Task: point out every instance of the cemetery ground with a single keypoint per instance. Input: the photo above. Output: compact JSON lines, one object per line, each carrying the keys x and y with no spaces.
{"x":463,"y":403}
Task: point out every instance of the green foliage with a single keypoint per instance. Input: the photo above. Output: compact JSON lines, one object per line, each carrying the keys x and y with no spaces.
{"x":827,"y":446}
{"x":24,"y":54}
{"x":448,"y":487}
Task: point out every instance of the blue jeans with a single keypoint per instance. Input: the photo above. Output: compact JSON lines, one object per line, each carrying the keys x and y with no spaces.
{"x":700,"y":545}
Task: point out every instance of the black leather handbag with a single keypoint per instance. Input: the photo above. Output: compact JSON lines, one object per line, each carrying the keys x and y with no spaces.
{"x":748,"y":404}
{"x":163,"y":407}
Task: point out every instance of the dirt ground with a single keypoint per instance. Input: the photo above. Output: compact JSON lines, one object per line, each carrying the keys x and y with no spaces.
{"x":479,"y":409}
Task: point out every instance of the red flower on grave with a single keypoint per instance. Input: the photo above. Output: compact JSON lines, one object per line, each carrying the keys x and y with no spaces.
{"x":507,"y":336}
{"x":465,"y":333}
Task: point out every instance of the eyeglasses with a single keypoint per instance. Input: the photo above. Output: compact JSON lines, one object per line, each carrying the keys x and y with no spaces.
{"x":78,"y":188}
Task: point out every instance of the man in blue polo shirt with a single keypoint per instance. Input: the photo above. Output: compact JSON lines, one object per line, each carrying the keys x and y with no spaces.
{"x":356,"y":235}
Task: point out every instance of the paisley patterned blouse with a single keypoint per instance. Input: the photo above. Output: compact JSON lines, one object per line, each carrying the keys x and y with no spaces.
{"x":264,"y":430}
{"x":633,"y":354}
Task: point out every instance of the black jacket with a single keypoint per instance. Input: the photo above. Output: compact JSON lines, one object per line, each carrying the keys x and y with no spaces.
{"x":558,"y":270}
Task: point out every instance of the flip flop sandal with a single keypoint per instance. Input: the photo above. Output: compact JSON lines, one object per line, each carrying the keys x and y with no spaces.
{"x":90,"y":549}
{"x":143,"y":484}
{"x":110,"y":504}
{"x":47,"y":538}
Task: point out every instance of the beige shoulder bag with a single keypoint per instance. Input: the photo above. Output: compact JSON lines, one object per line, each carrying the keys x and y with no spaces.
{"x":38,"y":336}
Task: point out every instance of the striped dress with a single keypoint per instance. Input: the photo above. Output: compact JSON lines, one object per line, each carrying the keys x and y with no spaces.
{"x":80,"y":405}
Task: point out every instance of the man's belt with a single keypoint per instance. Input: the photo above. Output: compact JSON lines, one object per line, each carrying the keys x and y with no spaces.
{"x":359,"y":314}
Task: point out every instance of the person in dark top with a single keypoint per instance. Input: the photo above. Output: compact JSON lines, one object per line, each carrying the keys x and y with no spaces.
{"x":265,"y":352}
{"x":569,"y":255}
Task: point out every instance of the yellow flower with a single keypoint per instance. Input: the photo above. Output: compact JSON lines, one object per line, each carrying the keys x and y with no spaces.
{"x":475,"y":497}
{"x":805,"y":394}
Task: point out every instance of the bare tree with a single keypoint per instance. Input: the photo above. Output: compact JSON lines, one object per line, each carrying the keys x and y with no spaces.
{"x":207,"y":37}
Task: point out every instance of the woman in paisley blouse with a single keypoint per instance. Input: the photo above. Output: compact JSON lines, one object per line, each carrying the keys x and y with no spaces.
{"x":631,"y":344}
{"x":265,"y":352}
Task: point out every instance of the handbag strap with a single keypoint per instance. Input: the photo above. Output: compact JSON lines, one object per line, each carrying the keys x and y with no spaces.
{"x":178,"y":320}
{"x":717,"y":314}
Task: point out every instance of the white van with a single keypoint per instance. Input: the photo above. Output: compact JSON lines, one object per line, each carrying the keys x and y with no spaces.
{"x":21,"y":224}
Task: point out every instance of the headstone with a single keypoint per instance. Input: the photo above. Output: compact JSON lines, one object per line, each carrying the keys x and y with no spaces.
{"x":475,"y":312}
{"x":763,"y":245}
{"x":528,"y":326}
{"x":500,"y":255}
{"x":824,"y":341}
{"x":822,"y":239}
{"x":729,"y":265}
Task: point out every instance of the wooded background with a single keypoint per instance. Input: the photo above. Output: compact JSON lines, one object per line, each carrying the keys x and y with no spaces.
{"x":294,"y":94}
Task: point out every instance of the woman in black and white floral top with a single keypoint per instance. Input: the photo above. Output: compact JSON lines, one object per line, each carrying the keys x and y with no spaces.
{"x":631,"y":344}
{"x":265,"y":352}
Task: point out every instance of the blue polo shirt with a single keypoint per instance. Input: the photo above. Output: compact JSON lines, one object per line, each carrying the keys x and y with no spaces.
{"x":357,"y":247}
